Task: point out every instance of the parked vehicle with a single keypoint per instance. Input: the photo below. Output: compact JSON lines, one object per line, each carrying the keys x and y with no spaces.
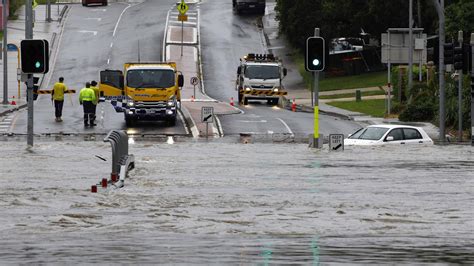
{"x":144,"y":91}
{"x":88,"y":2}
{"x":249,"y":5}
{"x":389,"y":135}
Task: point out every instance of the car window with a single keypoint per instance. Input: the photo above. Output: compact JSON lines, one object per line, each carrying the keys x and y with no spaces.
{"x":397,"y":134}
{"x":370,"y":133}
{"x":411,"y":133}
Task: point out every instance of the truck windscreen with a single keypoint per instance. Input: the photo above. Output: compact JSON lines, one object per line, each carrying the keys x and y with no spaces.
{"x":150,"y":78}
{"x":262,"y":72}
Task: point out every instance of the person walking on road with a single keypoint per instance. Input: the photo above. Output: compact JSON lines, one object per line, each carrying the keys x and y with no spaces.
{"x":87,"y":99}
{"x":96,"y":92}
{"x":57,"y":96}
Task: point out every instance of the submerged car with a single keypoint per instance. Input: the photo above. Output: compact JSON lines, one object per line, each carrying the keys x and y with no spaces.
{"x":389,"y":135}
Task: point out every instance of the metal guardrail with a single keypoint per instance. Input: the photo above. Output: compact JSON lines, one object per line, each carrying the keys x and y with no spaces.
{"x":122,"y":162}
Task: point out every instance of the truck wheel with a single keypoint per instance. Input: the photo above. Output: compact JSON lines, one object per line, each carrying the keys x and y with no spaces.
{"x":246,"y":101}
{"x":129,"y":121}
{"x":275,"y":101}
{"x":171,"y":122}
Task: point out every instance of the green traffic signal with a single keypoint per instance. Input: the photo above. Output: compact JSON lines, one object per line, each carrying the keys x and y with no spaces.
{"x":315,"y":54}
{"x":37,"y":64}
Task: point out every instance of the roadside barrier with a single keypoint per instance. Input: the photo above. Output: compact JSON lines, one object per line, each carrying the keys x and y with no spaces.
{"x":122,"y":162}
{"x":293,"y":105}
{"x":13,"y":101}
{"x":232,"y":101}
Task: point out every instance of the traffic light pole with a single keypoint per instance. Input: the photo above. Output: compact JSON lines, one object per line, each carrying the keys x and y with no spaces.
{"x":316,"y":140}
{"x":29,"y":82}
{"x":460,"y":40}
{"x":472,"y":89}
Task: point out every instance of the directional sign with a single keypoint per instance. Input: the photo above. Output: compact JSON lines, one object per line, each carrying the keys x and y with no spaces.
{"x":194,"y":81}
{"x":207,"y":114}
{"x":182,"y":7}
{"x":336,"y":142}
{"x":182,"y":17}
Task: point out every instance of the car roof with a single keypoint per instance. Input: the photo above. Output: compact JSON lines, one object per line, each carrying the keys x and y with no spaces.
{"x":390,"y":126}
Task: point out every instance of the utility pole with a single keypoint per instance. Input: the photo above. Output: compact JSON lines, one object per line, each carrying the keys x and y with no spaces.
{"x":48,"y":11}
{"x":460,"y":40}
{"x":5,"y":55}
{"x":472,"y":89}
{"x":29,"y":82}
{"x":410,"y":48}
{"x":439,"y":4}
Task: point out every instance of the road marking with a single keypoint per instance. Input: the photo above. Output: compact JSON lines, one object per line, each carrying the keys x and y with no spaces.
{"x":98,"y":19}
{"x":252,"y":121}
{"x":99,"y":10}
{"x":287,"y":127}
{"x":270,"y":132}
{"x":88,"y":31}
{"x":108,"y":61}
{"x":118,"y":21}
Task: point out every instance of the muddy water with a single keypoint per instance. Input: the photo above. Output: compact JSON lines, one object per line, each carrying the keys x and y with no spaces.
{"x":229,"y":203}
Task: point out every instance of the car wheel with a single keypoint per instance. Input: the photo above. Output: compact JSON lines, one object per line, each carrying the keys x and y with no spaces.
{"x":129,"y":121}
{"x":172,"y":122}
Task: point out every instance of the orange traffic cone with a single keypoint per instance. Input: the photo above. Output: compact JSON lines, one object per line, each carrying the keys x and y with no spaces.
{"x":13,"y":101}
{"x":192,"y":98}
{"x":232,"y":101}
{"x":293,"y":105}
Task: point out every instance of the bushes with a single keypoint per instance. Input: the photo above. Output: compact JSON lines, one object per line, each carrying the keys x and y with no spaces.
{"x":421,"y":104}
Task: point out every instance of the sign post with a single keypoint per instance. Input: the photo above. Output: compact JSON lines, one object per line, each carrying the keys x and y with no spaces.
{"x":182,"y":8}
{"x":472,"y":89}
{"x":194,"y":82}
{"x":207,"y":116}
{"x":336,"y":142}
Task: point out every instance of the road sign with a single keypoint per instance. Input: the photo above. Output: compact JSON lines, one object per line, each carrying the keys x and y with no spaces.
{"x":194,"y":81}
{"x":182,"y":18}
{"x":336,"y":142}
{"x":182,"y":7}
{"x":12,"y":47}
{"x":207,"y":114}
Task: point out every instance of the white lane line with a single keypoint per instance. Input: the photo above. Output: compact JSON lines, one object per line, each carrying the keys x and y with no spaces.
{"x":120,"y":18}
{"x":108,"y":61}
{"x":111,"y":44}
{"x":99,"y":10}
{"x":253,"y":121}
{"x":287,"y":127}
{"x":88,"y":31}
{"x":98,"y":19}
{"x":270,"y":132}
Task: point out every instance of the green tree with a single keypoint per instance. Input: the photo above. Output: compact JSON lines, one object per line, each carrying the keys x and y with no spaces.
{"x":460,"y":16}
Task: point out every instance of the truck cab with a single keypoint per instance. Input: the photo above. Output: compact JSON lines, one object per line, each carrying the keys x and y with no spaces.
{"x":250,"y":5}
{"x":144,"y":91}
{"x":260,"y":77}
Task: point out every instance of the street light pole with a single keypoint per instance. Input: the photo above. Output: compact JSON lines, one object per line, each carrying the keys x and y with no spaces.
{"x":5,"y":55}
{"x":460,"y":40}
{"x":439,"y":4}
{"x":410,"y":47}
{"x":472,"y":89}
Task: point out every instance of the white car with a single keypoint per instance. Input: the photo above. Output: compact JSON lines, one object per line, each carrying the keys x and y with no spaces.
{"x":389,"y":135}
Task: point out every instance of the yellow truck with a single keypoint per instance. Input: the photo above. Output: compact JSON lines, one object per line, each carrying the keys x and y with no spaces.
{"x":144,"y":91}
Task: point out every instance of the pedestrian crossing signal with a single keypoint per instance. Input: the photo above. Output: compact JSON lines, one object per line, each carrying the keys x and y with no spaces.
{"x":34,"y":56}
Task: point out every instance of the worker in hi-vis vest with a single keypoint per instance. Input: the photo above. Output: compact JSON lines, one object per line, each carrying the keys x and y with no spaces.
{"x":87,"y":99}
{"x":57,"y":95}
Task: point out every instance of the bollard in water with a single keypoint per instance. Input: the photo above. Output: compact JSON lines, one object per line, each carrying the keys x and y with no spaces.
{"x":114,"y":177}
{"x":104,"y":182}
{"x":94,"y":189}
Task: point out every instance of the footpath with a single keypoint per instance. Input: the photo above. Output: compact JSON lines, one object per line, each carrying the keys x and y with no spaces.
{"x":297,"y":90}
{"x":15,"y":33}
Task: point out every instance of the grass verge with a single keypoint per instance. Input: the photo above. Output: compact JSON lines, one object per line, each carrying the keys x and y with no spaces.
{"x":340,"y":83}
{"x":374,"y":108}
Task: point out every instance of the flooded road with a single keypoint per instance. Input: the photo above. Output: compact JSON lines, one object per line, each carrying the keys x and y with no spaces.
{"x":230,"y":203}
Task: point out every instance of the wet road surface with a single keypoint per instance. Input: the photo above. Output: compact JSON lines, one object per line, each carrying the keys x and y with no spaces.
{"x":227,"y":203}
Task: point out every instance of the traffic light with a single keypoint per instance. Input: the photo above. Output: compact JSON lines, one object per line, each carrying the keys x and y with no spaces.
{"x":315,"y":54}
{"x":458,"y":58}
{"x":448,"y":53}
{"x":34,"y":56}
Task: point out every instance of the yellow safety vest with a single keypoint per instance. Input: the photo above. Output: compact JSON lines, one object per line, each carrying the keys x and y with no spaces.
{"x":87,"y":95}
{"x":58,"y":91}
{"x":96,"y":92}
